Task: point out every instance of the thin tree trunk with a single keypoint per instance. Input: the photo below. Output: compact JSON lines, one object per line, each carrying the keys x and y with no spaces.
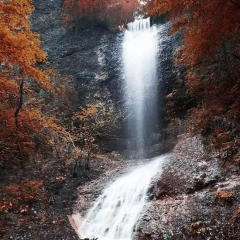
{"x":16,"y":114}
{"x":19,"y":104}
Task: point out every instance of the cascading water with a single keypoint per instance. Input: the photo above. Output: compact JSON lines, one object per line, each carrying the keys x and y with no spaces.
{"x":140,"y":72}
{"x":115,"y":212}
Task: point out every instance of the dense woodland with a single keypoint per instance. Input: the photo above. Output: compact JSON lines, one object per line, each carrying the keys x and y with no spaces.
{"x":210,"y":56}
{"x":36,"y":115}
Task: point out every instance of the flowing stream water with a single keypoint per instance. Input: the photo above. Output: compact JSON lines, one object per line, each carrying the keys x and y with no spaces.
{"x":114,"y":213}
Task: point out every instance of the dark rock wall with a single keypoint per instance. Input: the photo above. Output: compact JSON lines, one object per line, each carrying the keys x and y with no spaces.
{"x":168,"y":73}
{"x":91,"y":57}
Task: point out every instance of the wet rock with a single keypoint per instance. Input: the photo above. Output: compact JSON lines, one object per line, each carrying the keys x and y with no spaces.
{"x":161,"y":194}
{"x":193,"y":198}
{"x":198,"y":183}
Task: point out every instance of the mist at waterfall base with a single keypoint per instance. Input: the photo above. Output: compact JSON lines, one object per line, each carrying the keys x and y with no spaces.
{"x":140,"y":74}
{"x":115,"y":212}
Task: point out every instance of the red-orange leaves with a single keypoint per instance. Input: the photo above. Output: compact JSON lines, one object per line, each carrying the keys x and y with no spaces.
{"x":112,"y":13}
{"x":5,"y":206}
{"x":19,"y":77}
{"x":19,"y":45}
{"x":27,"y":192}
{"x":211,"y":55}
{"x":205,"y":23}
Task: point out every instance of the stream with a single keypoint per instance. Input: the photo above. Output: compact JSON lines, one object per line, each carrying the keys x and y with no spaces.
{"x":115,"y":212}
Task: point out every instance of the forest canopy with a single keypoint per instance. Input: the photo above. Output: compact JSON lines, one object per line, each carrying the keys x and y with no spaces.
{"x":210,"y":54}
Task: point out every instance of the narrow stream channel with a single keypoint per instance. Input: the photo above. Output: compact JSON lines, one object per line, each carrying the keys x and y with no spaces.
{"x":115,"y":212}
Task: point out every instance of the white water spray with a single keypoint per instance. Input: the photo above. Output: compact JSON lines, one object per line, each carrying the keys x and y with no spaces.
{"x":115,"y":212}
{"x":140,"y":72}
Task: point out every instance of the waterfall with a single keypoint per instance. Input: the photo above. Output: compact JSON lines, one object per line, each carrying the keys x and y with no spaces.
{"x":114,"y":213}
{"x":140,"y":73}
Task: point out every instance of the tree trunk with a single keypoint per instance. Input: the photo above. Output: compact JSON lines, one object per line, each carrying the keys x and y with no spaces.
{"x":18,"y":143}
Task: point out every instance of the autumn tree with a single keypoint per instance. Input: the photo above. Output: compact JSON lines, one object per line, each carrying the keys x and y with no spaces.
{"x":33,"y":102}
{"x":211,"y":55}
{"x":90,"y":123}
{"x":56,"y":108}
{"x":19,"y":54}
{"x":108,"y":13}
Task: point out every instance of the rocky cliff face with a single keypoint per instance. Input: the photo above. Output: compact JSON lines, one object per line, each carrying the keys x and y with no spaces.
{"x":196,"y":197}
{"x":92,"y":58}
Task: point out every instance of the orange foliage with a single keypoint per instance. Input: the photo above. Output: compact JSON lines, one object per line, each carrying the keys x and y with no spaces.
{"x":90,"y":122}
{"x":86,"y":113}
{"x":19,"y":196}
{"x":28,"y":191}
{"x":110,"y":12}
{"x":206,"y":25}
{"x":19,"y":55}
{"x":236,"y":215}
{"x":225,"y":197}
{"x":211,"y":55}
{"x":95,"y":119}
{"x":27,"y":117}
